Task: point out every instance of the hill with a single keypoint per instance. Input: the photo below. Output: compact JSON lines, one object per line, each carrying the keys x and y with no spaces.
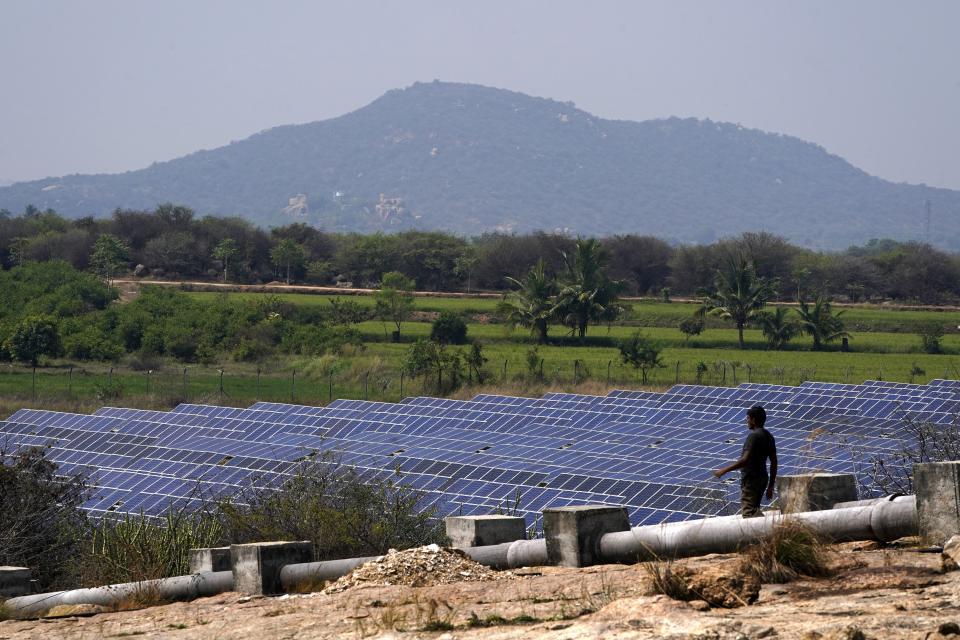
{"x":469,"y":159}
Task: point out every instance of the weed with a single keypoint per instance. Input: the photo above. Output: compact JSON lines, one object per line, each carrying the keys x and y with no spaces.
{"x":666,"y":580}
{"x":790,"y":551}
{"x":177,"y":626}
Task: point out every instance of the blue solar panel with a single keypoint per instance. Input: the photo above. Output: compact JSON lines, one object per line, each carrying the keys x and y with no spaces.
{"x":652,"y":452}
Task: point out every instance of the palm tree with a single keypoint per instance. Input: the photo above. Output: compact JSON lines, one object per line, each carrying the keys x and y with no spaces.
{"x":739,"y":293}
{"x":776,"y":328}
{"x":820,"y":323}
{"x":587,"y":294}
{"x":531,"y":305}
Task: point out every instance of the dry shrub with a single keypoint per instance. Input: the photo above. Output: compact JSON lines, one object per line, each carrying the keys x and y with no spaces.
{"x":790,"y":551}
{"x":667,"y":580}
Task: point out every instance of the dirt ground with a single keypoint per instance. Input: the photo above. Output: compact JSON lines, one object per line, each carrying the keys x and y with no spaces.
{"x":875,"y":593}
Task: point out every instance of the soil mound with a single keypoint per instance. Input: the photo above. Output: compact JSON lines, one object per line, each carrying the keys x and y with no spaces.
{"x":421,"y":567}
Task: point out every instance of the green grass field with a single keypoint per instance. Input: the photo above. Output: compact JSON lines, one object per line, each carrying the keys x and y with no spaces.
{"x":373,"y":370}
{"x":875,"y":318}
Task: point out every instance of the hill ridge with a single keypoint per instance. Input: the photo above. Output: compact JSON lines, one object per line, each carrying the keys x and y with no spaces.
{"x":468,"y":159}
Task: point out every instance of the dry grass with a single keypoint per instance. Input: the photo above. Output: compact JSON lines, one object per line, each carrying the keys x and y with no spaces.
{"x":792,"y":550}
{"x":666,"y":580}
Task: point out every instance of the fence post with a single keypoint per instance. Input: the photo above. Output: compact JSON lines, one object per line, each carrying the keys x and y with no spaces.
{"x":401,"y":384}
{"x":541,"y":369}
{"x":366,"y":379}
{"x":724,"y":381}
{"x":678,"y":373}
{"x":575,"y":361}
{"x":70,"y":385}
{"x":258,"y":384}
{"x":749,"y":373}
{"x":293,"y":386}
{"x":330,"y":384}
{"x":221,"y":384}
{"x":110,"y":378}
{"x":504,"y":370}
{"x":609,"y":364}
{"x":149,"y":371}
{"x":34,"y":383}
{"x":186,"y":386}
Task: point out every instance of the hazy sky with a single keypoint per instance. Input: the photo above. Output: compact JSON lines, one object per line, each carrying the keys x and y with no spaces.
{"x":98,"y":86}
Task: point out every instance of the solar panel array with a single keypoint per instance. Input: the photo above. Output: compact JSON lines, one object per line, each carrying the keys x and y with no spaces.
{"x":652,"y":452}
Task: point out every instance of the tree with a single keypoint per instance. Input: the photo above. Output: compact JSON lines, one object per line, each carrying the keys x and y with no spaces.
{"x":428,"y":358}
{"x":692,"y":326}
{"x":225,"y":251}
{"x":820,"y":322}
{"x":777,"y":329}
{"x":463,"y":266}
{"x":531,"y":305}
{"x":394,"y":299}
{"x":587,"y":294}
{"x":287,"y":255}
{"x":449,"y":328}
{"x":930,"y":335}
{"x":738,"y":293}
{"x":33,"y":337}
{"x":642,"y":353}
{"x":110,"y":254}
{"x":474,"y":359}
{"x":18,"y":247}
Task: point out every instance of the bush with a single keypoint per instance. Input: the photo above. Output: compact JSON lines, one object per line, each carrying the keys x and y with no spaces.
{"x":40,"y":520}
{"x":790,"y":551}
{"x":344,"y":514}
{"x":132,"y":548}
{"x":449,"y":328}
{"x":91,"y":344}
{"x":930,"y":336}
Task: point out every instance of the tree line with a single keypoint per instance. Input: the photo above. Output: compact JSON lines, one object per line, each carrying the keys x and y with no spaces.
{"x":172,"y":242}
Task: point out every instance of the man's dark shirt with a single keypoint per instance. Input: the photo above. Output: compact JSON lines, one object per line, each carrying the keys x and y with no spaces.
{"x":758,"y":447}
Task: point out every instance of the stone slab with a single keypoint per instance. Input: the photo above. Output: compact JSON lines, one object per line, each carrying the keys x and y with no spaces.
{"x":937,"y":487}
{"x":210,"y":559}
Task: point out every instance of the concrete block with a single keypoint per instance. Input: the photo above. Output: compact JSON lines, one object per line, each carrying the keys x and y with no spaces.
{"x":937,"y":486}
{"x":14,"y":581}
{"x":815,"y":491}
{"x":573,"y":533}
{"x":212,"y":559}
{"x":256,"y":566}
{"x":479,"y":531}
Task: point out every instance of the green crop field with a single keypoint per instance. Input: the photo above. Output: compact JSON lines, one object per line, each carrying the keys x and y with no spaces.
{"x":884,"y":345}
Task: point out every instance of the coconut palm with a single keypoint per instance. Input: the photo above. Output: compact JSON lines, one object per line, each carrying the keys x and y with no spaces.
{"x":777,"y":329}
{"x":739,"y":294}
{"x":531,"y":305}
{"x":820,"y":322}
{"x":587,"y":294}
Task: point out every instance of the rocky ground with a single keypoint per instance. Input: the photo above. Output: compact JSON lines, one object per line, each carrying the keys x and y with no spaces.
{"x":874,"y":593}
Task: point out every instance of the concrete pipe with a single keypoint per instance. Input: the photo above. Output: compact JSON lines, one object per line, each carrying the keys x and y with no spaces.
{"x":886,"y":520}
{"x":207,"y":583}
{"x":293,"y":575}
{"x":511,"y":555}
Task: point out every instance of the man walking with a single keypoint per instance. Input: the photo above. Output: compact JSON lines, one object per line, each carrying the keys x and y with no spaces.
{"x":754,"y":480}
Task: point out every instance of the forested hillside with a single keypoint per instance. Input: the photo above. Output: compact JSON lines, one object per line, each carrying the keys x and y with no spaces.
{"x":468,"y":159}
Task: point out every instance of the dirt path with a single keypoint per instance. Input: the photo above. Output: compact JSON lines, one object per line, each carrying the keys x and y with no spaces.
{"x":887,"y":594}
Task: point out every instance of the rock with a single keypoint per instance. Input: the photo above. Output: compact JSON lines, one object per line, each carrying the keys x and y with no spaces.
{"x":724,"y":586}
{"x":811,"y":635}
{"x":849,"y":632}
{"x":423,"y":566}
{"x":64,"y":610}
{"x":700,"y":605}
{"x":949,"y":629}
{"x":950,"y":557}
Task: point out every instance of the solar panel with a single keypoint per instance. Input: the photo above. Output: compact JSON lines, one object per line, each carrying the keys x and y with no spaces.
{"x":651,"y":452}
